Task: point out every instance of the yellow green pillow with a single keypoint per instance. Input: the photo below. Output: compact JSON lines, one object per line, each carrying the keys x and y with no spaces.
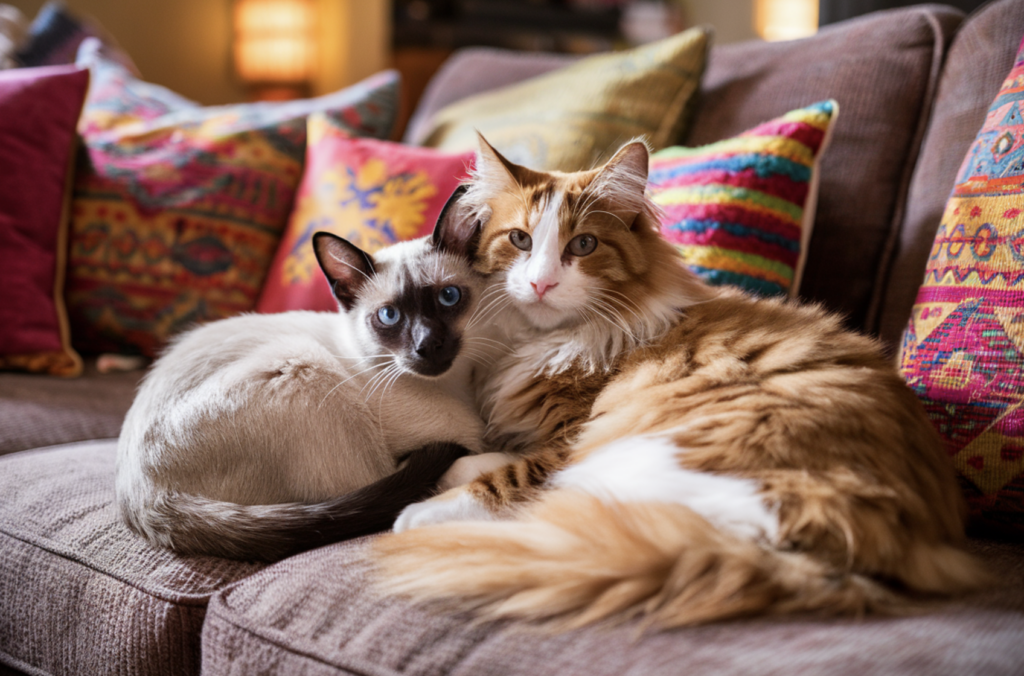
{"x":578,"y":116}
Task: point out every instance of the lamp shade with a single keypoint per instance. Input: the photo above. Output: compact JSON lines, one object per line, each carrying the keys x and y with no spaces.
{"x":274,"y":41}
{"x":785,"y":19}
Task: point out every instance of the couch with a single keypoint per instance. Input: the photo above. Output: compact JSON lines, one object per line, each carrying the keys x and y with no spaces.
{"x":80,"y":594}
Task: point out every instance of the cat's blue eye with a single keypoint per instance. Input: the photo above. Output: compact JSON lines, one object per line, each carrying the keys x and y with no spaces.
{"x":520,"y":240}
{"x":449,"y":296}
{"x":389,"y":315}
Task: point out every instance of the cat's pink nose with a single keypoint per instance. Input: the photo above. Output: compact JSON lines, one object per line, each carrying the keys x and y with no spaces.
{"x":541,"y":288}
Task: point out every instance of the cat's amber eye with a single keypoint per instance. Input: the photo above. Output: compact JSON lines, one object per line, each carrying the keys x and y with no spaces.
{"x":389,"y":315}
{"x":582,"y":245}
{"x":521,"y":240}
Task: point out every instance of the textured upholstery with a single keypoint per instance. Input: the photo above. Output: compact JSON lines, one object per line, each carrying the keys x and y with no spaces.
{"x":317,"y":614}
{"x":881,"y":68}
{"x":43,"y":411}
{"x":979,"y":59}
{"x":79,"y":593}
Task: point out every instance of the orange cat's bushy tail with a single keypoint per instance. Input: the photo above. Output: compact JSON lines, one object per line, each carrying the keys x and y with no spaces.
{"x":572,"y":560}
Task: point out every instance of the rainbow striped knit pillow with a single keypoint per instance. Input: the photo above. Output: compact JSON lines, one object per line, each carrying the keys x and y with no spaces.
{"x":740,"y":211}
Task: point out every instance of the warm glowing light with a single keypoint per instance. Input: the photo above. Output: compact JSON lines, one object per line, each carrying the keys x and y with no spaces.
{"x":785,"y":19}
{"x":274,"y":41}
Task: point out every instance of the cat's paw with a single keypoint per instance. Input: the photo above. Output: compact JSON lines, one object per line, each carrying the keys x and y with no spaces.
{"x":443,"y":508}
{"x":469,"y":467}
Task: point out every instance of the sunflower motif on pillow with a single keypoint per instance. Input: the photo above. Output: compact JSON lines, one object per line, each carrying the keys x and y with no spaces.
{"x":372,"y":193}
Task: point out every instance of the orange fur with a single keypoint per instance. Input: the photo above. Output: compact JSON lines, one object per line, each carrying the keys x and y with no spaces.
{"x":869,"y":512}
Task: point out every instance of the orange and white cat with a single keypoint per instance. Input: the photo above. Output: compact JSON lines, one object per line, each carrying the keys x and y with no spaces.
{"x":673,"y":451}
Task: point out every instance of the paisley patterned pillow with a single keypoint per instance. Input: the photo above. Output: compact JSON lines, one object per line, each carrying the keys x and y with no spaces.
{"x":373,"y":193}
{"x":178,"y":209}
{"x":963,"y":351}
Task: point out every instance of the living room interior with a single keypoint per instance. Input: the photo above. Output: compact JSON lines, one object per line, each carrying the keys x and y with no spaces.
{"x":167,"y":164}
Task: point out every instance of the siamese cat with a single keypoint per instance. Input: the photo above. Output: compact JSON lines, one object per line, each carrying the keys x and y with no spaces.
{"x":259,"y":436}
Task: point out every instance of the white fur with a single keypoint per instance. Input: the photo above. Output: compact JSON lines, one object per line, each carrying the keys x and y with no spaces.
{"x":298,"y":406}
{"x":646,"y":469}
{"x":460,"y":506}
{"x":469,"y":467}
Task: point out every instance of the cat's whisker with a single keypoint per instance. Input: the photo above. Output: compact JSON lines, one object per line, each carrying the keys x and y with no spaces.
{"x":354,"y":375}
{"x":493,"y":308}
{"x":379,"y":379}
{"x":618,"y":218}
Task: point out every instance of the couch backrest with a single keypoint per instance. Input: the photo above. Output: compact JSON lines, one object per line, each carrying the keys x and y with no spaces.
{"x":978,"y":61}
{"x":883,"y":68}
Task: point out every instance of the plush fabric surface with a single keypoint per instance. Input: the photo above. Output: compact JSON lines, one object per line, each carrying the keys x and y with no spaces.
{"x":884,"y":91}
{"x":741,"y":211}
{"x":475,"y":70}
{"x":316,"y":614}
{"x":372,"y":193}
{"x":56,"y":34}
{"x":39,"y":108}
{"x":882,"y":68}
{"x":963,"y":350}
{"x":979,"y":59}
{"x":178,"y":209}
{"x":577,"y":117}
{"x":40,"y":411}
{"x":79,"y":593}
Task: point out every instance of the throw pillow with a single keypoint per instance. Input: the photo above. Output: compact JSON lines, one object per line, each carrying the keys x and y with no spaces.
{"x":741,"y":211}
{"x":39,"y":108}
{"x":373,"y":193}
{"x":963,"y":350}
{"x":577,"y":117}
{"x":178,"y":209}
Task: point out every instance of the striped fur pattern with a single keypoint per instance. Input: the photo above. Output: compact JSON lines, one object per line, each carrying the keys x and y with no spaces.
{"x":679,"y":453}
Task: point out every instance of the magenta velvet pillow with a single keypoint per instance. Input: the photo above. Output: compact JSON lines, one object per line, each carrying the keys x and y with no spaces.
{"x":39,"y":108}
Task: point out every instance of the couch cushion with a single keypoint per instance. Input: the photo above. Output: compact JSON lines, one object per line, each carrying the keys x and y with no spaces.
{"x":979,"y":58}
{"x":741,"y":211}
{"x":79,"y":593}
{"x":39,"y":108}
{"x":475,"y":70}
{"x":315,"y":614}
{"x":882,"y":69}
{"x":373,"y":193}
{"x":576,"y":117}
{"x":41,"y":411}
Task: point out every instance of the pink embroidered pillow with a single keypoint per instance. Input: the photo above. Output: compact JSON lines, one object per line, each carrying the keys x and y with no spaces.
{"x":39,"y":108}
{"x":178,"y":209}
{"x":963,"y":351}
{"x":372,"y":193}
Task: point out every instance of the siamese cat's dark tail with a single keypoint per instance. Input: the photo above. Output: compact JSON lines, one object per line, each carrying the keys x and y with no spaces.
{"x":189,"y":524}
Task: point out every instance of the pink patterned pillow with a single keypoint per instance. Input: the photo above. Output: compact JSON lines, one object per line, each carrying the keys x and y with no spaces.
{"x":963,"y":351}
{"x":178,"y":208}
{"x":372,"y":193}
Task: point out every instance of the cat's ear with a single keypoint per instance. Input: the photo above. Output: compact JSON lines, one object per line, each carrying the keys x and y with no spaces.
{"x":458,"y":228}
{"x":622,"y":181}
{"x":346,"y":266}
{"x":492,"y":168}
